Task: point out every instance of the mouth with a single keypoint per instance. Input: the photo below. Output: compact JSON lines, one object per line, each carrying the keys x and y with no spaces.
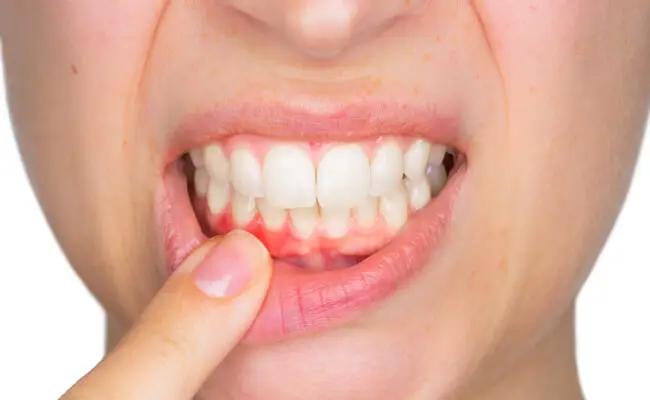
{"x":349,"y":215}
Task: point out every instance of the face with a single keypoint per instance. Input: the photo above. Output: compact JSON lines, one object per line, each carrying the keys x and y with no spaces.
{"x":434,"y":180}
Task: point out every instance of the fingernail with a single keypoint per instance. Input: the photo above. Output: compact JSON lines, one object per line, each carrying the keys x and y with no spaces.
{"x":229,"y":267}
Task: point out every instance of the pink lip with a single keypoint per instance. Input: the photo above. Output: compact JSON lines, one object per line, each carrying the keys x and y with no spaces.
{"x":301,"y":301}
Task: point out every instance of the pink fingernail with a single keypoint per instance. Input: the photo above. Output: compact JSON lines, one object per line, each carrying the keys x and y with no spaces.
{"x":227,"y":269}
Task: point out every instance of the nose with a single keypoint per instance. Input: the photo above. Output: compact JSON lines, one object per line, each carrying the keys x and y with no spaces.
{"x":323,"y":28}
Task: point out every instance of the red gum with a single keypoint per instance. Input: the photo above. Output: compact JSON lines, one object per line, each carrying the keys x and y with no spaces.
{"x":283,"y":243}
{"x":259,"y":145}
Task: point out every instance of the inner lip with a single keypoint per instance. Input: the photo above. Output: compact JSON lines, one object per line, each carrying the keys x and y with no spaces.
{"x":325,"y":259}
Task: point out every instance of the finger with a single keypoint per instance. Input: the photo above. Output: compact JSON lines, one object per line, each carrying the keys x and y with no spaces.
{"x":199,"y":315}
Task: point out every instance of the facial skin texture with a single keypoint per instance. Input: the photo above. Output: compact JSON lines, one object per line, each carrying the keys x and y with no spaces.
{"x":552,"y":95}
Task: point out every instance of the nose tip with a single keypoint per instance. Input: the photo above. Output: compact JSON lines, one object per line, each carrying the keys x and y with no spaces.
{"x":323,"y":28}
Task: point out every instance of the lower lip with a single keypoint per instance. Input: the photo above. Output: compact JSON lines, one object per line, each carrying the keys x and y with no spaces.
{"x":301,"y":301}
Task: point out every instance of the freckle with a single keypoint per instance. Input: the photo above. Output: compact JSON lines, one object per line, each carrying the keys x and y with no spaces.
{"x":416,"y":91}
{"x":426,"y":57}
{"x":124,"y":142}
{"x":437,"y":38}
{"x":407,"y":3}
{"x":74,"y":69}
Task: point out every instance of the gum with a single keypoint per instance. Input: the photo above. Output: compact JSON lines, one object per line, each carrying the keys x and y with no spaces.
{"x":283,"y":243}
{"x":259,"y":146}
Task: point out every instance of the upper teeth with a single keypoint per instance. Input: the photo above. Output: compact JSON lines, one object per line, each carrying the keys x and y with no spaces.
{"x":345,"y":181}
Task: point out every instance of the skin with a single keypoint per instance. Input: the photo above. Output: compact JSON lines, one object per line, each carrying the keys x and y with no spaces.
{"x":553,"y":97}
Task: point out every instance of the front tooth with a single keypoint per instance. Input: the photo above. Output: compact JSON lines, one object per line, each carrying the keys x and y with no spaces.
{"x":218,"y":195}
{"x":201,"y":181}
{"x":343,"y":178}
{"x":366,"y":212}
{"x":243,"y":209}
{"x":216,"y":163}
{"x":394,"y":208}
{"x":437,"y":178}
{"x":416,"y":158}
{"x":272,"y":216}
{"x":387,"y":169}
{"x":197,"y":158}
{"x":304,"y":221}
{"x":245,"y":173}
{"x":419,"y":193}
{"x":335,"y":221}
{"x":289,"y":177}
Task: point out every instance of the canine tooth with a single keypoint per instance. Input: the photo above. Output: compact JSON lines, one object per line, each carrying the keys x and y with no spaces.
{"x":196,"y":156}
{"x":245,"y":173}
{"x":335,"y":221}
{"x":394,"y":208}
{"x":387,"y":169}
{"x":243,"y":209}
{"x":201,"y":181}
{"x":343,"y":177}
{"x":304,"y":221}
{"x":289,"y":177}
{"x":366,"y":212}
{"x":218,"y":195}
{"x":216,"y":163}
{"x":416,"y":159}
{"x":419,"y":193}
{"x":272,"y":216}
{"x":437,"y":178}
{"x":437,"y":154}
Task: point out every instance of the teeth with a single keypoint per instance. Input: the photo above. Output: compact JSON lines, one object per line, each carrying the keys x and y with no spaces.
{"x":243,"y":209}
{"x":437,"y":178}
{"x":218,"y":195}
{"x":197,"y":158}
{"x":201,"y":181}
{"x":289,"y":177}
{"x":386,"y":169}
{"x":245,"y":173}
{"x":416,"y":159}
{"x":437,"y":154}
{"x":366,"y":212}
{"x":394,"y":208}
{"x":272,"y":216}
{"x":343,"y":177}
{"x":335,"y":221}
{"x":419,"y":193}
{"x":216,"y":163}
{"x":304,"y":221}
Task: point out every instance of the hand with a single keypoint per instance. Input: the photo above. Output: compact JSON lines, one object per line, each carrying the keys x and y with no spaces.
{"x":199,"y":315}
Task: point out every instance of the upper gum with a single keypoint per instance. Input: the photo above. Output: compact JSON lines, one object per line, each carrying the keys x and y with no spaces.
{"x":260,"y":146}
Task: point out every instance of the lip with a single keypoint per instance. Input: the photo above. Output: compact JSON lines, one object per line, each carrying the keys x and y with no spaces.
{"x":301,"y":301}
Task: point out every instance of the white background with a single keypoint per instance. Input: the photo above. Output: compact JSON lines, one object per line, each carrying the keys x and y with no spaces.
{"x":51,"y":329}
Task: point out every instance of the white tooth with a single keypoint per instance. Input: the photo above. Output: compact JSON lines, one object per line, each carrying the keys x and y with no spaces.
{"x":304,"y":221}
{"x":216,"y":163}
{"x":366,"y":212}
{"x":272,"y":216}
{"x":437,"y":178}
{"x":245,"y":173}
{"x":394,"y":208}
{"x":335,"y":221}
{"x":416,"y":158}
{"x":243,"y":209}
{"x":437,"y":154}
{"x":289,"y":177}
{"x":218,"y":195}
{"x":201,"y":181}
{"x":343,"y":177}
{"x":419,"y":193}
{"x":386,"y":169}
{"x":197,"y":158}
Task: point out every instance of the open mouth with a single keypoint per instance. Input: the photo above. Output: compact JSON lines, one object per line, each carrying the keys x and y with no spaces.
{"x":347,"y":222}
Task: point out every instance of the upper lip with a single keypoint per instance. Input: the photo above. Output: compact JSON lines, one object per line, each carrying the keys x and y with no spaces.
{"x":353,"y":121}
